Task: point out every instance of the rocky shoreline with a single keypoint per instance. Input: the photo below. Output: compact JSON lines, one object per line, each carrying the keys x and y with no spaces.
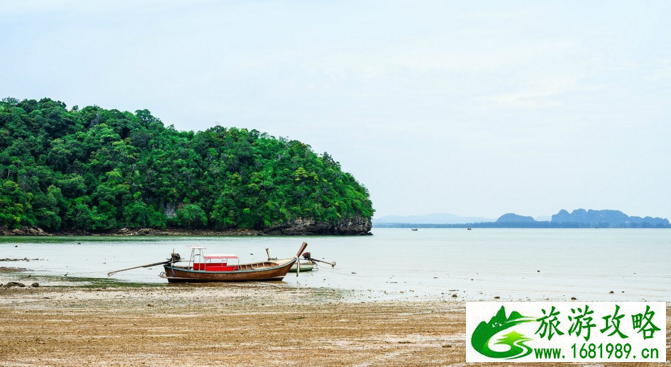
{"x":302,"y":227}
{"x":25,"y":231}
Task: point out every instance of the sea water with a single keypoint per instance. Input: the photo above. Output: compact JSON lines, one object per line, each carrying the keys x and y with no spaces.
{"x":478,"y":264}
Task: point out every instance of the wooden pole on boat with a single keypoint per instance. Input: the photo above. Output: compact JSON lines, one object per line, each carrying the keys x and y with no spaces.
{"x":333,"y":264}
{"x":303,"y":246}
{"x":298,"y":257}
{"x":138,"y":267}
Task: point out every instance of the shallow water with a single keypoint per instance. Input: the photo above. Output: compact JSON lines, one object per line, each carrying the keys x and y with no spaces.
{"x":399,"y":263}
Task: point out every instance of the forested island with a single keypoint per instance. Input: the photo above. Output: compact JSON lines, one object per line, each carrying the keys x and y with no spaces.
{"x":93,"y":170}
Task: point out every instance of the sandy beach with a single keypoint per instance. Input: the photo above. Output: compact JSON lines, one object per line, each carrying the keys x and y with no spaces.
{"x":226,"y":325}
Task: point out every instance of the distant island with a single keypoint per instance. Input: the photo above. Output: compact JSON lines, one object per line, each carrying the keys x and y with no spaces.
{"x":514,"y":218}
{"x":93,"y":170}
{"x":438,"y":218}
{"x":579,"y":218}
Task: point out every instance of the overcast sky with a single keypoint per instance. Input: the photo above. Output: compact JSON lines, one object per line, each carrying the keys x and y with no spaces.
{"x":471,"y":108}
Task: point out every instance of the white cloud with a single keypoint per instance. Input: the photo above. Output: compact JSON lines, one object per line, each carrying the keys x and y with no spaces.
{"x":544,"y":93}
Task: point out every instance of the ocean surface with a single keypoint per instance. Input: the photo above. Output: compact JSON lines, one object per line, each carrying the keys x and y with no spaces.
{"x":480,"y":264}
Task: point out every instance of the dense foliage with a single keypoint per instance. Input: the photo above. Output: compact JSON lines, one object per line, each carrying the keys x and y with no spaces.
{"x":96,"y":169}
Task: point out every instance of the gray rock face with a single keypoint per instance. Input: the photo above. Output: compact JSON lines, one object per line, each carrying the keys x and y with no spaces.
{"x":25,"y":231}
{"x":351,"y":226}
{"x":170,"y":210}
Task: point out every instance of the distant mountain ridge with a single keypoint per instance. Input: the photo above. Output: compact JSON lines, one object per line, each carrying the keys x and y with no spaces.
{"x":579,"y":218}
{"x":436,"y":218}
{"x":612,"y":217}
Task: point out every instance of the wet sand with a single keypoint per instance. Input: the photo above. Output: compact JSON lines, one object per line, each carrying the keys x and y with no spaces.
{"x":228,"y":325}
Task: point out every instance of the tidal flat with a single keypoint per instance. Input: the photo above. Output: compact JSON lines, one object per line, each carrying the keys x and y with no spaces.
{"x":228,"y":325}
{"x":394,"y":299}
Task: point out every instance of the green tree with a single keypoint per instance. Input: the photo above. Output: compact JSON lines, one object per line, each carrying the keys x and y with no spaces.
{"x":97,"y":169}
{"x":191,"y":216}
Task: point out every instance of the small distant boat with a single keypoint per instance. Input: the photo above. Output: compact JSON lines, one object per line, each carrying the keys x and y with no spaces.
{"x":413,"y":229}
{"x":306,"y":264}
{"x":469,"y":228}
{"x":220,"y":268}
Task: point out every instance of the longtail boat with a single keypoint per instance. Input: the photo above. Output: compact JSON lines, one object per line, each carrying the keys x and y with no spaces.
{"x":306,"y":265}
{"x":220,"y":268}
{"x":303,"y":265}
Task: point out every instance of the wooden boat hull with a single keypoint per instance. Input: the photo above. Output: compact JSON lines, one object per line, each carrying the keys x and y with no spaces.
{"x":268,"y":270}
{"x":309,"y":266}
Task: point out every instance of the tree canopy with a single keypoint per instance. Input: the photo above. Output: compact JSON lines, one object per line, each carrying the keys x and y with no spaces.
{"x":95,"y":169}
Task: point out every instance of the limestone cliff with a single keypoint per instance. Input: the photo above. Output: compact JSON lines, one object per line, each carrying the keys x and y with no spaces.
{"x":306,"y":226}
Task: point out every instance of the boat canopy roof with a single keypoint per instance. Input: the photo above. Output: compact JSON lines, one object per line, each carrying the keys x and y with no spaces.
{"x":195,"y":247}
{"x":221,"y":256}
